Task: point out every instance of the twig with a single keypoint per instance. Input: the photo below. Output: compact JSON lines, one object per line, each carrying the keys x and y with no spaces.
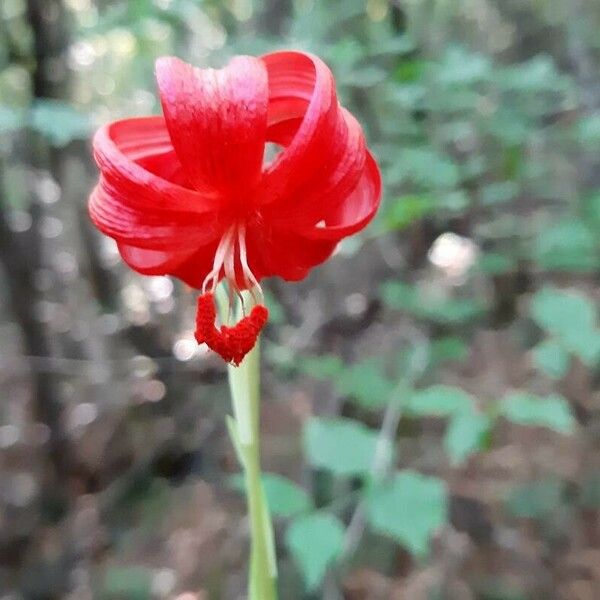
{"x":382,"y":460}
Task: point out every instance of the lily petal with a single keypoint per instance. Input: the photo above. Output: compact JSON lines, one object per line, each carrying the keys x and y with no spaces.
{"x":302,"y":88}
{"x":146,"y":230}
{"x":312,"y":203}
{"x":124,"y":151}
{"x":152,"y":262}
{"x":217,"y":121}
{"x":141,"y":198}
{"x":285,"y":253}
{"x":171,"y":188}
{"x":355,"y":212}
{"x":189,"y":265}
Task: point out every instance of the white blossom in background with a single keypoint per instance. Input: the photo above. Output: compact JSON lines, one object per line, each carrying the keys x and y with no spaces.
{"x":454,"y":255}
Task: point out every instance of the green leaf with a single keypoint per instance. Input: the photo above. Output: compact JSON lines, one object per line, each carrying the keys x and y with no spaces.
{"x":10,"y":119}
{"x":346,"y":53}
{"x":342,"y":446}
{"x":439,"y":401}
{"x":449,"y":348}
{"x":460,"y":67}
{"x":587,"y":130}
{"x":591,"y":210}
{"x":366,"y":383}
{"x":454,"y":100}
{"x":551,"y":358}
{"x":428,"y":168}
{"x":496,"y":193}
{"x":466,"y":434}
{"x":561,"y":312}
{"x":511,"y":130}
{"x":410,"y":71}
{"x":536,"y":500}
{"x":284,"y":497}
{"x":474,"y":166}
{"x":456,"y":131}
{"x":456,"y":200}
{"x":567,"y":246}
{"x":587,"y":347}
{"x":315,"y":541}
{"x":409,"y":95}
{"x":400,"y":295}
{"x":536,"y":75}
{"x":527,"y":409}
{"x":410,"y":509}
{"x":452,"y":311}
{"x":397,"y":45}
{"x":405,"y":210}
{"x":571,"y":318}
{"x":493,"y":263}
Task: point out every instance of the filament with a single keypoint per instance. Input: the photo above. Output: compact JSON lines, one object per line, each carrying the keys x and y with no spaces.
{"x":223,"y":250}
{"x":224,"y":259}
{"x":232,"y":342}
{"x":249,"y":277}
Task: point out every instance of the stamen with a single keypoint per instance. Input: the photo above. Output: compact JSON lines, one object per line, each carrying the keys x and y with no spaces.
{"x":223,"y":250}
{"x":229,"y":265}
{"x":232,"y":343}
{"x":249,"y":277}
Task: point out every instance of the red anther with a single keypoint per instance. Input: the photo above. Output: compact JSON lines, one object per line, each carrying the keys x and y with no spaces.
{"x":231,"y":343}
{"x":243,"y":335}
{"x":205,"y":318}
{"x":259,"y":316}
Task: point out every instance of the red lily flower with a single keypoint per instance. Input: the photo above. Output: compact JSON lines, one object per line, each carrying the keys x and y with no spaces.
{"x":189,"y":195}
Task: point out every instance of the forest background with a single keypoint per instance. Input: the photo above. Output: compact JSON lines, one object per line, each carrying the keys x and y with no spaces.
{"x":431,"y":413}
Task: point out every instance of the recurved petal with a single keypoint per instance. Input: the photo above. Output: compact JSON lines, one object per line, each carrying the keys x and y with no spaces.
{"x":302,"y":91}
{"x":141,"y":198}
{"x":137,"y":157}
{"x":310,"y":204}
{"x":217,"y":121}
{"x":153,"y":262}
{"x":148,"y":229}
{"x":290,"y":250}
{"x":354,"y":212}
{"x":189,"y":265}
{"x":284,"y":253}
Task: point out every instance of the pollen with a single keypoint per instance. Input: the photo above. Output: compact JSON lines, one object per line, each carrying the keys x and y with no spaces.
{"x":231,"y":343}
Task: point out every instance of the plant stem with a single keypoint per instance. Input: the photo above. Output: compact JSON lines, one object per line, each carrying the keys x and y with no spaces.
{"x":244,"y":429}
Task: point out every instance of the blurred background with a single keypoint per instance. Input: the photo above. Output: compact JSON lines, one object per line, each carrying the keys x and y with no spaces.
{"x":431,"y":416}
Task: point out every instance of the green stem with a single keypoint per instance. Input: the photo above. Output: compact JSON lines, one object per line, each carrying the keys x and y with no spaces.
{"x":244,"y":429}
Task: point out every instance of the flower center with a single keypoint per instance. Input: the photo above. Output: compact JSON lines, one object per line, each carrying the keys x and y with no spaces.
{"x":234,"y":239}
{"x":232,"y":343}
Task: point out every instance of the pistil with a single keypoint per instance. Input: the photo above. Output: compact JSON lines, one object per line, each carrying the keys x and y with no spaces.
{"x":231,"y":343}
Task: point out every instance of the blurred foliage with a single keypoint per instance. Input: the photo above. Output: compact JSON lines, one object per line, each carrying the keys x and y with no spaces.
{"x":485,"y":118}
{"x":410,"y":507}
{"x":315,"y":541}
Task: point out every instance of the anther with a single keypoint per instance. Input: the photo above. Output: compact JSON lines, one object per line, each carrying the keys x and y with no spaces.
{"x":231,"y":343}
